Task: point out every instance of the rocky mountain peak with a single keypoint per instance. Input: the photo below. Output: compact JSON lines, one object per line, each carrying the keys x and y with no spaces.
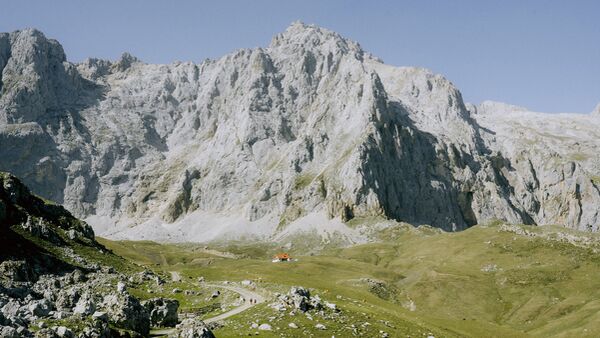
{"x":306,"y":133}
{"x":300,"y":37}
{"x":125,"y":61}
{"x":35,"y":76}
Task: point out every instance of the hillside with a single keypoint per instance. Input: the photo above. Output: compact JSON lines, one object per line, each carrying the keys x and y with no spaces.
{"x":56,"y":280}
{"x":488,"y":281}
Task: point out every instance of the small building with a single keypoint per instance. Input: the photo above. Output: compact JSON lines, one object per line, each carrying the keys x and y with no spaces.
{"x":282,"y":257}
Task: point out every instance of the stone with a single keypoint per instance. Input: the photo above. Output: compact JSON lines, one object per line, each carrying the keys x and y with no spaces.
{"x":62,"y":314}
{"x":301,"y":298}
{"x":67,"y":298}
{"x":65,"y":332}
{"x":192,"y":328}
{"x":101,"y":316}
{"x":163,"y":311}
{"x":127,"y":312}
{"x":293,"y":325}
{"x":16,"y":270}
{"x":121,"y":287}
{"x":320,"y":327}
{"x":9,"y":332}
{"x":40,"y":308}
{"x":85,"y":305}
{"x":265,"y":327}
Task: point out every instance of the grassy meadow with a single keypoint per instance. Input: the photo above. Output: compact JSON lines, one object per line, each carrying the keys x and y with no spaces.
{"x":487,"y":281}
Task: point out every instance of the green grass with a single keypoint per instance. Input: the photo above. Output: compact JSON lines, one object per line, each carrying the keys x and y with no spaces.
{"x":579,"y":157}
{"x":303,"y":180}
{"x":540,"y":287}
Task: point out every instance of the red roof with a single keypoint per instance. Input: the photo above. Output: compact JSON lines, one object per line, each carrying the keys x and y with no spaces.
{"x":282,"y":255}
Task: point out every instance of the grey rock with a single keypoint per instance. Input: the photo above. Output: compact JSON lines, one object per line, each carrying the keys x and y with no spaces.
{"x":16,"y":270}
{"x":68,"y":298}
{"x":121,"y":287}
{"x":320,"y":327}
{"x":9,"y":332}
{"x":101,"y":316}
{"x":13,"y":308}
{"x":192,"y":328}
{"x":85,"y":305}
{"x":127,"y":312}
{"x":310,"y":125}
{"x":40,"y":308}
{"x":63,"y":331}
{"x":163,"y":311}
{"x":265,"y":327}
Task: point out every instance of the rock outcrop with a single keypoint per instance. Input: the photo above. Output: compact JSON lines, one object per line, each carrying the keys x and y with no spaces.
{"x":127,"y":312}
{"x":549,"y":161}
{"x":162,"y":311}
{"x":192,"y":328}
{"x":50,"y":271}
{"x":260,"y":139}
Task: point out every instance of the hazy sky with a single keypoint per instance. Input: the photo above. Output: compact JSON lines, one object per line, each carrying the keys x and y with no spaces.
{"x":544,"y":55}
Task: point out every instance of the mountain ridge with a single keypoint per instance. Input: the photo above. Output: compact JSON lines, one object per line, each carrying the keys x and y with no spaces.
{"x":307,"y":133}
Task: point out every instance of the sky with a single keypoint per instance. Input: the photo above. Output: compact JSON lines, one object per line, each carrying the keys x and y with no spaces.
{"x":543,"y":55}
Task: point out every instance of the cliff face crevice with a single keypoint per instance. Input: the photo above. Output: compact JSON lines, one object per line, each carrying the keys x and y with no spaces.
{"x":309,"y":125}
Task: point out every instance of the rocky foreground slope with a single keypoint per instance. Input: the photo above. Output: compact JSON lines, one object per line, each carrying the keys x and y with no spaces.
{"x":57,"y":281}
{"x":308,"y":132}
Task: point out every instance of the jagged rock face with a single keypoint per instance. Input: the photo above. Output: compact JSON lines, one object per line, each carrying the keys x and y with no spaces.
{"x":551,"y":162}
{"x":250,"y":142}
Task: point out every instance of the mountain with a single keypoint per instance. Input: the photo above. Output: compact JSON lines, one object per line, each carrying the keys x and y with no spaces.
{"x":307,"y":134}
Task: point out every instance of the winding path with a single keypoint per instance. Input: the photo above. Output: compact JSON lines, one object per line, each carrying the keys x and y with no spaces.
{"x":245,"y":293}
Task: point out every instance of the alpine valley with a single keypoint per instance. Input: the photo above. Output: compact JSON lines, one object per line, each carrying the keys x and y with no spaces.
{"x":413,"y":212}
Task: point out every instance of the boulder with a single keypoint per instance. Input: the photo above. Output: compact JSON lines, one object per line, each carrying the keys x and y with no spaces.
{"x":192,"y":328}
{"x":100,"y":316}
{"x":9,"y":332}
{"x":85,"y":305}
{"x":16,"y":270}
{"x":265,"y":327}
{"x":163,"y":311}
{"x":300,"y":298}
{"x":63,"y":331}
{"x":68,"y":298}
{"x":40,"y":308}
{"x":127,"y":312}
{"x":121,"y":287}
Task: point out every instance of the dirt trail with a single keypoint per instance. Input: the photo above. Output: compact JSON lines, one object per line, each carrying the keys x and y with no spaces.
{"x":245,"y":293}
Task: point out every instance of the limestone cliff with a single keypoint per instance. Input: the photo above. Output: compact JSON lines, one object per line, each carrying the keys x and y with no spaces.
{"x":250,"y":143}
